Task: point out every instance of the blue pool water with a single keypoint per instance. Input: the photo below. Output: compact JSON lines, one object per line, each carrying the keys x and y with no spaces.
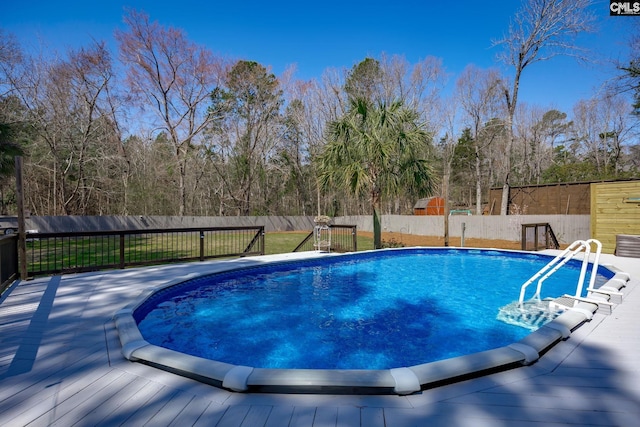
{"x":375,"y":310}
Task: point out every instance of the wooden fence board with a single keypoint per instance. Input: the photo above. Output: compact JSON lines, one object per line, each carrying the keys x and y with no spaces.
{"x":612,"y":214}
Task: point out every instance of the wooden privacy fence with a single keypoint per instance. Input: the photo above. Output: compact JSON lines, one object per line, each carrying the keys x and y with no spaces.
{"x":50,"y":253}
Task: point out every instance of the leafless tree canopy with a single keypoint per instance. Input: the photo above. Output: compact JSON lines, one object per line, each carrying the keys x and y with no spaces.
{"x":163,"y":126}
{"x":541,"y":30}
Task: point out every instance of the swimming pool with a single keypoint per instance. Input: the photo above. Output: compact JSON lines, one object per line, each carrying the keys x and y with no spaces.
{"x":293,"y":348}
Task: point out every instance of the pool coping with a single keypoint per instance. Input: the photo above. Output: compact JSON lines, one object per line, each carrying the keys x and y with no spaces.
{"x":401,"y":380}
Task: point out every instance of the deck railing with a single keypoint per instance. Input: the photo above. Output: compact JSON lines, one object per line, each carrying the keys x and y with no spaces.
{"x":51,"y":253}
{"x":344,"y":238}
{"x":538,"y":236}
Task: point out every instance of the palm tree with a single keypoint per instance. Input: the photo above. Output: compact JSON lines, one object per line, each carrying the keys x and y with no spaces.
{"x":375,"y":149}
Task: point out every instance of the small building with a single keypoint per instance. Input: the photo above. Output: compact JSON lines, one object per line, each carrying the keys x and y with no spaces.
{"x":429,"y":206}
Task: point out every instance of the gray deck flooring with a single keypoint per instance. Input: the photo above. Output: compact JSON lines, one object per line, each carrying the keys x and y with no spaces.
{"x":60,"y":364}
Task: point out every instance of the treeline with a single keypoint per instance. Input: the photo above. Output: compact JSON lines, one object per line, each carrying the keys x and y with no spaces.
{"x":164,"y":127}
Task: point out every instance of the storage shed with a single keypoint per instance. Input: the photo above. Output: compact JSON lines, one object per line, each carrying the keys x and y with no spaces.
{"x":429,"y":206}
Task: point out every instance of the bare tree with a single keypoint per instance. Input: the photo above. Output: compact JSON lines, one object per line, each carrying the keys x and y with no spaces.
{"x":173,"y":78}
{"x":478,"y":92}
{"x":320,"y":102}
{"x":10,"y":59}
{"x":603,"y":126}
{"x":449,"y":111}
{"x":247,"y":112}
{"x":539,"y":131}
{"x":11,"y":108}
{"x":540,"y":30}
{"x":71,"y":114}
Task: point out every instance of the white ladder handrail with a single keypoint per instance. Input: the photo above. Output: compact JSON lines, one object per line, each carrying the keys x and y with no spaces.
{"x":594,"y":267}
{"x":582,"y":246}
{"x":569,"y":253}
{"x":551,"y":263}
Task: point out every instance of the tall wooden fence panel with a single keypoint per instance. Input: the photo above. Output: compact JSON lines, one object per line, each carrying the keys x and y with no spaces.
{"x":545,"y":199}
{"x":615,"y":209}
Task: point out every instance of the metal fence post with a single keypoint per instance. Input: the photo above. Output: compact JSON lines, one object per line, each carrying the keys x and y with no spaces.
{"x":22,"y":238}
{"x":201,"y":245}
{"x":354,"y":233}
{"x":121,"y":250}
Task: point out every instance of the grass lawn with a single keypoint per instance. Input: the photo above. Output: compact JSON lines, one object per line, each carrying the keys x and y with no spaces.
{"x":285,"y":242}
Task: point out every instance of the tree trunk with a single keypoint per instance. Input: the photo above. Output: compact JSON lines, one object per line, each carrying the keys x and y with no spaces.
{"x":377,"y":229}
{"x":445,"y":196}
{"x":511,"y":106}
{"x":478,"y":183}
{"x":504,"y":205}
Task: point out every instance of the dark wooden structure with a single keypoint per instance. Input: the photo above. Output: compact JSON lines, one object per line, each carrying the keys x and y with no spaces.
{"x":548,"y":199}
{"x":538,"y":236}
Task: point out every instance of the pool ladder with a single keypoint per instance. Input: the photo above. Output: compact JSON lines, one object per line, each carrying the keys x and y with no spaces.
{"x":565,"y":256}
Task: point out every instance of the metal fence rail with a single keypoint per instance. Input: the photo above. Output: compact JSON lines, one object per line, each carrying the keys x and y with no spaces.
{"x":344,"y":238}
{"x":50,"y":253}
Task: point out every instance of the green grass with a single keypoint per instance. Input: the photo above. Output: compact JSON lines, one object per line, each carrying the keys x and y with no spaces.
{"x":279,"y":243}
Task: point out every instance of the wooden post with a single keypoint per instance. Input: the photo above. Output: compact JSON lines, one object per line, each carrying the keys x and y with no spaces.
{"x":445,"y":196}
{"x":22,"y":241}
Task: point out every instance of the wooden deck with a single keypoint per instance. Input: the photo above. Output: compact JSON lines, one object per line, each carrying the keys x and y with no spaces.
{"x":60,"y":364}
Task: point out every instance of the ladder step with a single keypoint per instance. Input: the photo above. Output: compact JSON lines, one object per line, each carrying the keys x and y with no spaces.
{"x":567,"y":301}
{"x":531,"y":314}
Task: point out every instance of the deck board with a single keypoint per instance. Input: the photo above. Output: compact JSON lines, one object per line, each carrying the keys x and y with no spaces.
{"x":279,"y":416}
{"x":234,"y":416}
{"x":109,"y":406}
{"x":326,"y":416}
{"x":190,"y":413}
{"x":257,"y":416}
{"x":75,"y":409}
{"x":349,"y":416}
{"x":211,"y":416}
{"x":171,"y":410}
{"x":60,"y":364}
{"x":139,"y":400}
{"x":372,"y":417}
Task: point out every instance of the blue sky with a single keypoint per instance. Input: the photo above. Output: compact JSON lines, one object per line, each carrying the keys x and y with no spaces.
{"x":318,"y":35}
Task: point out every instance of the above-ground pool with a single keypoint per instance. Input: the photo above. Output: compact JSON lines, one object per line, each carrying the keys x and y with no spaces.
{"x":380,"y":321}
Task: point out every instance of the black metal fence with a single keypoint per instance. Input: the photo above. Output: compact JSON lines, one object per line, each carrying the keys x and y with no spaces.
{"x":538,"y":236}
{"x":71,"y":252}
{"x":50,"y":253}
{"x":344,"y":238}
{"x":8,"y":260}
